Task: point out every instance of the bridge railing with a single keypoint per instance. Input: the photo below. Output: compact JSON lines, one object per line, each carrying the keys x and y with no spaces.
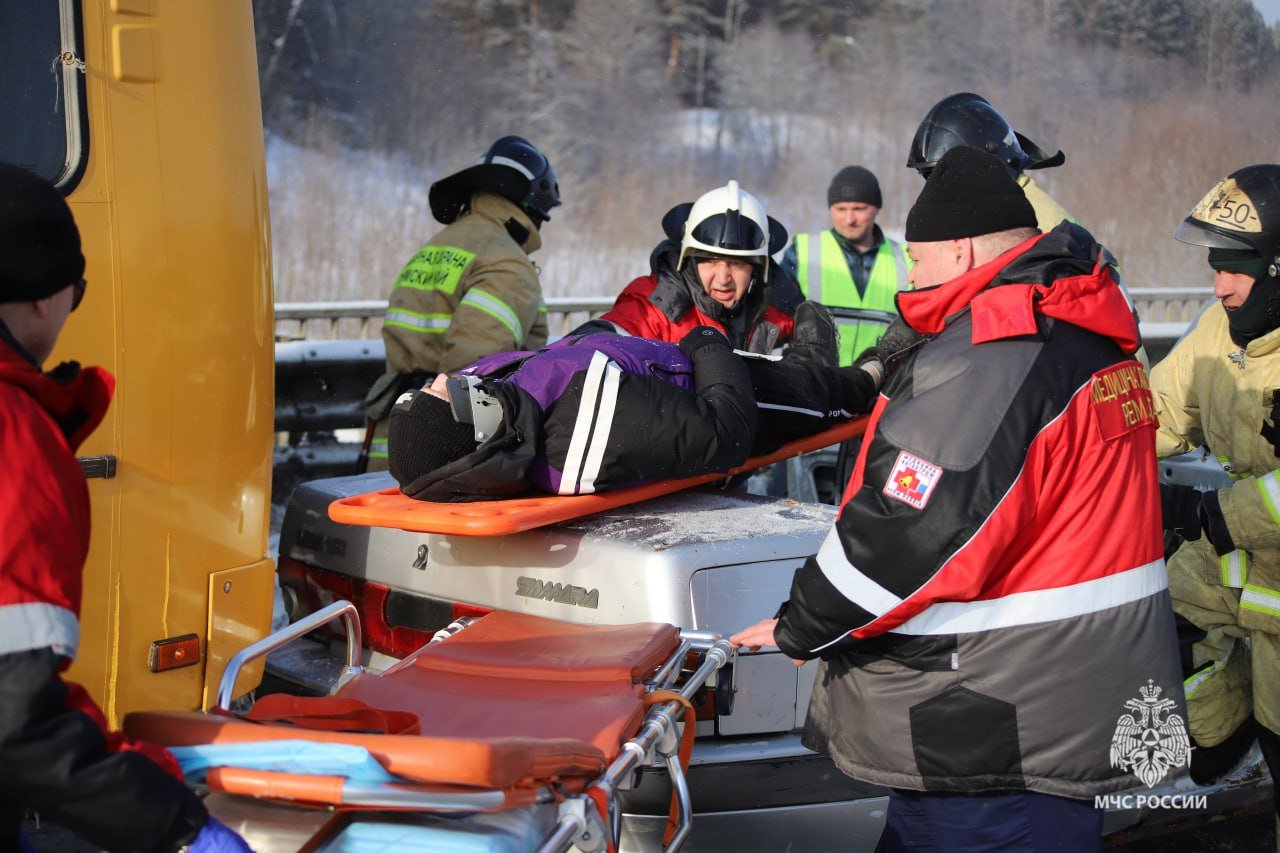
{"x":362,"y":318}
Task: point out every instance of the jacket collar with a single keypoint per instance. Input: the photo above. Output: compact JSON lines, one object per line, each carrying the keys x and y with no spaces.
{"x":76,"y":398}
{"x":498,"y":210}
{"x":1064,"y":274}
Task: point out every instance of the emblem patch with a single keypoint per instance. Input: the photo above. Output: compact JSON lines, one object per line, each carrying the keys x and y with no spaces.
{"x":1151,"y":740}
{"x":912,"y":480}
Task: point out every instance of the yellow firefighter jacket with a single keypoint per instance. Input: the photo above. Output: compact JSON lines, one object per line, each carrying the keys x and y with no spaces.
{"x":469,"y":292}
{"x":1210,"y":391}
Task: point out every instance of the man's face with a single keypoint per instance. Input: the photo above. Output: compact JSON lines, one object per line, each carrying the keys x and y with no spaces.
{"x":1232,"y":288}
{"x":438,"y":386}
{"x":935,"y":263}
{"x":854,"y":220}
{"x":725,"y":279}
{"x":49,"y":316}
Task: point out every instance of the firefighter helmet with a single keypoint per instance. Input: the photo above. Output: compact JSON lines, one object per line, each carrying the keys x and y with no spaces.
{"x":1242,"y":211}
{"x":969,"y":120}
{"x":511,"y":168}
{"x":725,"y":222}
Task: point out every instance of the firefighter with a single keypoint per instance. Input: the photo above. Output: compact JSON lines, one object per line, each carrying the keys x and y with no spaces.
{"x":472,"y":290}
{"x":713,"y":269}
{"x":1220,"y":387}
{"x":56,"y":754}
{"x":968,"y":119}
{"x":851,"y":265}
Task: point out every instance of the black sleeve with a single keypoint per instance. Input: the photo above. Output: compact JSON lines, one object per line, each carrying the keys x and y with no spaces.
{"x":595,"y":327}
{"x":54,"y":760}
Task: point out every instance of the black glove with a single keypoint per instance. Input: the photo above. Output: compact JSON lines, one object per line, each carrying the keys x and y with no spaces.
{"x":1191,"y":513}
{"x":1271,"y":431}
{"x":1180,"y":510}
{"x":896,"y":341}
{"x":700,"y":338}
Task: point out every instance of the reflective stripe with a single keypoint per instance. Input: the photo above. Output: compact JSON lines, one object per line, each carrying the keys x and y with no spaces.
{"x":777,"y":407}
{"x":604,"y":426}
{"x":1040,"y":605}
{"x":497,"y":309}
{"x":1231,"y":470}
{"x":850,"y":582}
{"x":580,"y":439}
{"x":1270,"y":490}
{"x":38,"y":625}
{"x":901,"y":262}
{"x":1192,"y":684}
{"x":507,"y":161}
{"x":1235,"y":569}
{"x":403,"y":318}
{"x":811,"y":284}
{"x":1260,"y":599}
{"x":378,"y":448}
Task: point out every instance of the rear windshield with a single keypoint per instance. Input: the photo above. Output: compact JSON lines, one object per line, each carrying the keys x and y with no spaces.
{"x":42,"y":89}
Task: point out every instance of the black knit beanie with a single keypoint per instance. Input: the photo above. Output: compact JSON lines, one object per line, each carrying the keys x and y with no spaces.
{"x":39,"y":241}
{"x":423,"y":436}
{"x":854,"y":183}
{"x":968,"y":194}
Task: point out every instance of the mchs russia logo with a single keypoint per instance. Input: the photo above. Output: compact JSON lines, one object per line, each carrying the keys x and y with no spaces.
{"x":1151,"y":740}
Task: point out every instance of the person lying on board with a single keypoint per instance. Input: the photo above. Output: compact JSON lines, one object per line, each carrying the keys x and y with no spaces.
{"x":595,"y":412}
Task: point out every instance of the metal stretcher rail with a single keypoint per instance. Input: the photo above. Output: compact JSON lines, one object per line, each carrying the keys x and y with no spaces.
{"x":578,"y":824}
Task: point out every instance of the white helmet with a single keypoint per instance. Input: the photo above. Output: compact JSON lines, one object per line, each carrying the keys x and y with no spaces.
{"x":730,"y":222}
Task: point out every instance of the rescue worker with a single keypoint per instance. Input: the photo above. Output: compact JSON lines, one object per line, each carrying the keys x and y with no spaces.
{"x":713,"y":270}
{"x":954,"y":604}
{"x":851,"y":265}
{"x":968,"y":119}
{"x":56,"y":755}
{"x":472,"y":290}
{"x":603,"y":411}
{"x":1218,"y":387}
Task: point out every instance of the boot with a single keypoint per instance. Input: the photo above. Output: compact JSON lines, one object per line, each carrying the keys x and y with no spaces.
{"x":815,"y":336}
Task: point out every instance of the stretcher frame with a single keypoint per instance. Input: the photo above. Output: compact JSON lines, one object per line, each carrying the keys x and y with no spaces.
{"x":578,"y":822}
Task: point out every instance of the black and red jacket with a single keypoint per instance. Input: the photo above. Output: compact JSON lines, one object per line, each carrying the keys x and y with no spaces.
{"x":993,"y":590}
{"x":56,"y":755}
{"x":669,"y":303}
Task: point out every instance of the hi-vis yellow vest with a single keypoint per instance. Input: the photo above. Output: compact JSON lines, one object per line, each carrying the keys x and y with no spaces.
{"x":824,"y":277}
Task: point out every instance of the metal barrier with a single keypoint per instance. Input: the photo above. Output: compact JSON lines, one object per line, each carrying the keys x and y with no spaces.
{"x":362,"y":319}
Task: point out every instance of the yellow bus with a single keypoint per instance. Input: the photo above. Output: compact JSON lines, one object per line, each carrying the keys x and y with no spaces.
{"x":146,"y":114}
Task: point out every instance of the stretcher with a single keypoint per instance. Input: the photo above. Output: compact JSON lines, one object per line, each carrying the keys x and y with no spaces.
{"x":505,"y":732}
{"x":391,"y":508}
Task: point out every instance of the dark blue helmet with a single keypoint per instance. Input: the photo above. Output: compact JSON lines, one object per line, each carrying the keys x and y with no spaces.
{"x":511,"y":168}
{"x":969,"y":120}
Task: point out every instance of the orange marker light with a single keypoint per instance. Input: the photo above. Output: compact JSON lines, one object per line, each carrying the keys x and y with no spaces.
{"x":174,"y":653}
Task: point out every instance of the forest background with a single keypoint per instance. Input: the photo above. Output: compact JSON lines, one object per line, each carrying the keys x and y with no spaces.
{"x":642,"y":104}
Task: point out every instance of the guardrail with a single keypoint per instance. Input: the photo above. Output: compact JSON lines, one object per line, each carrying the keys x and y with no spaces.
{"x":362,"y":318}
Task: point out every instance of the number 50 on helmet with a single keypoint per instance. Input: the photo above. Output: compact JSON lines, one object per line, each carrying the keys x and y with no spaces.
{"x":1241,"y":212}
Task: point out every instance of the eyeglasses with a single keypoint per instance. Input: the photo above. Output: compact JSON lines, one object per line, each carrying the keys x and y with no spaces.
{"x":77,"y":295}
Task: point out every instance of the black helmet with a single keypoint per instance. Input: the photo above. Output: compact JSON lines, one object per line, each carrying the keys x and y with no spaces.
{"x":1241,"y":212}
{"x":511,"y":168}
{"x":969,"y":120}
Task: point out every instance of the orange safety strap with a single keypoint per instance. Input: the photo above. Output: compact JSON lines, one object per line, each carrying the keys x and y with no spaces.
{"x":657,"y":697}
{"x":332,"y":714}
{"x":601,"y":799}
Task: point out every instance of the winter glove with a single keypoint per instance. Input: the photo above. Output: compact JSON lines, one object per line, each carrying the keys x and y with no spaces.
{"x":1180,"y":510}
{"x":701,"y":337}
{"x":1191,"y":513}
{"x":1271,"y":431}
{"x":882,"y":358}
{"x":217,"y":838}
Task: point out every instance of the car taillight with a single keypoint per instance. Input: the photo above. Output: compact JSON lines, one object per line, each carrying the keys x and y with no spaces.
{"x":394,"y":623}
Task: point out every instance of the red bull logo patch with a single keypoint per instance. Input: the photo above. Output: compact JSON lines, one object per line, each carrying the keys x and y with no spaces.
{"x":912,"y":480}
